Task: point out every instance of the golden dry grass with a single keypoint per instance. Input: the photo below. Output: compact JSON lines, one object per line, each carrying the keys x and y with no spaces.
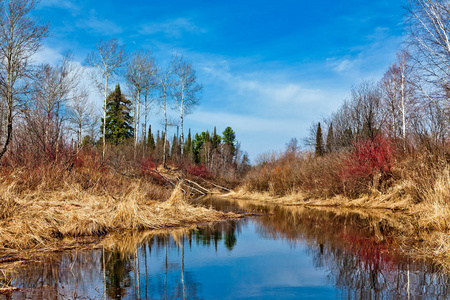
{"x":46,"y":219}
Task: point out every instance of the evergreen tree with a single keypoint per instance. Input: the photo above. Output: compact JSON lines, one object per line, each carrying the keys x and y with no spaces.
{"x":330,"y":139}
{"x":188,"y":145}
{"x":206,"y":136}
{"x":215,"y":140}
{"x":150,"y":139}
{"x":118,"y":119}
{"x":158,"y":139}
{"x":229,"y":138}
{"x":320,"y":151}
{"x":175,"y":148}
{"x":197,"y":146}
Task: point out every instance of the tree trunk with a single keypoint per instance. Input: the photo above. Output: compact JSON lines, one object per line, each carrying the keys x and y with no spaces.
{"x":104,"y":118}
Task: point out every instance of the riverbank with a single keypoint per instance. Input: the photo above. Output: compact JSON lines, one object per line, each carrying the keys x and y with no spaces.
{"x":67,"y":216}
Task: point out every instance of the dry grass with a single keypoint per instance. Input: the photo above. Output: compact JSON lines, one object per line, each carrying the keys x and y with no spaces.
{"x":48,"y":219}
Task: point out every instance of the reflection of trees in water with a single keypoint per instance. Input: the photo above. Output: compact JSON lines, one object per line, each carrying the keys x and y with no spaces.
{"x":65,"y":276}
{"x":117,"y":274}
{"x":358,"y":252}
{"x":217,"y":232}
{"x":144,"y":266}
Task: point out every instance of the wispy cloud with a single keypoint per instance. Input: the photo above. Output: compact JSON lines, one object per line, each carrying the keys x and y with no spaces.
{"x":343,"y":64}
{"x":66,"y":4}
{"x":99,"y":25}
{"x":173,"y":27}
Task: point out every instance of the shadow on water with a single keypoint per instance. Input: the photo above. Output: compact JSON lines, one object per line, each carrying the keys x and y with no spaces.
{"x":288,"y":252}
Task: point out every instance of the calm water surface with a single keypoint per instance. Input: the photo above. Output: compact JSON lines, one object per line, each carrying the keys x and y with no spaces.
{"x":293,"y":253}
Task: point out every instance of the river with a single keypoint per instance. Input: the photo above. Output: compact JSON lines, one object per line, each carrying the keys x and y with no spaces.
{"x":280,"y":253}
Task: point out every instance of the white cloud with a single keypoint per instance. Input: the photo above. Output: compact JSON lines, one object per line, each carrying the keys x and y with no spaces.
{"x":173,"y":28}
{"x":47,"y":55}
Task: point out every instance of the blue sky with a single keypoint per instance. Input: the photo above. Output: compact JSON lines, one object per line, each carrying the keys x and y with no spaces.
{"x":269,"y":68}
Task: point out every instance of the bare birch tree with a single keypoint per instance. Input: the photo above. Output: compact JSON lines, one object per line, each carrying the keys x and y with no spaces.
{"x":186,"y":91}
{"x":141,"y":78}
{"x":399,"y":92}
{"x":106,"y":61}
{"x":165,"y":84}
{"x":20,"y":38}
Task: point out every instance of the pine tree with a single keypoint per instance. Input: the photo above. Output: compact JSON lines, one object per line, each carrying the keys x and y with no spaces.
{"x":215,"y":140}
{"x":187,"y":152}
{"x":320,"y":151}
{"x":118,"y":119}
{"x":330,"y":139}
{"x":175,"y":148}
{"x":229,"y":138}
{"x":150,"y":139}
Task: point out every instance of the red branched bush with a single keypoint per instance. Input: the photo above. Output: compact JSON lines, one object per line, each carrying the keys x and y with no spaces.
{"x":199,"y":171}
{"x":368,"y":160}
{"x":147,"y":164}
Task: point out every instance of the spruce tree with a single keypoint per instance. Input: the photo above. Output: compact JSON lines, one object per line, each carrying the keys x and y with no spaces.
{"x":330,"y":139}
{"x":150,"y":139}
{"x":229,"y":138}
{"x":320,"y":151}
{"x":215,"y":140}
{"x":188,"y":145}
{"x":118,"y":119}
{"x":175,"y":148}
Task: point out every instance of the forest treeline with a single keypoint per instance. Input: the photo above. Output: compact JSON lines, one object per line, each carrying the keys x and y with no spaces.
{"x":48,"y":118}
{"x":389,"y":135}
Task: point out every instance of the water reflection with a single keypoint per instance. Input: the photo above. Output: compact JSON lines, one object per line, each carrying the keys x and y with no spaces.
{"x":291,"y":252}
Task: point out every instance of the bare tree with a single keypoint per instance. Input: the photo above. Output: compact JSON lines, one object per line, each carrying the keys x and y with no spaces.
{"x":430,"y":37}
{"x":165,"y":85}
{"x":106,"y":61}
{"x":399,"y":93}
{"x":141,"y":78}
{"x":365,"y":109}
{"x":45,"y":113}
{"x":20,"y":38}
{"x":80,"y":113}
{"x":186,"y":90}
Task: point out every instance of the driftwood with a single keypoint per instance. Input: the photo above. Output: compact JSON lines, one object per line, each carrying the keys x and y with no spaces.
{"x":194,"y":186}
{"x":195,"y":183}
{"x":216,"y":185}
{"x":167,"y":179}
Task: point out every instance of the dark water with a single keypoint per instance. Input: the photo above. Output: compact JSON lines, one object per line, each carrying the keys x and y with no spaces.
{"x":293,"y":253}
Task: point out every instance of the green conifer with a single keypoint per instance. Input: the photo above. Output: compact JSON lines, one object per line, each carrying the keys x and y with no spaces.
{"x":320,"y":151}
{"x":150,"y":139}
{"x":330,"y":139}
{"x":118,"y":119}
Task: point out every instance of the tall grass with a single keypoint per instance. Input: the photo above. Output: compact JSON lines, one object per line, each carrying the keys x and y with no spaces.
{"x":43,"y":204}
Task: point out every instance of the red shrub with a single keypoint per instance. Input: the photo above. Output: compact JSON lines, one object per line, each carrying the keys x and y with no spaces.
{"x":369,"y":158}
{"x":147,"y":164}
{"x":199,"y":171}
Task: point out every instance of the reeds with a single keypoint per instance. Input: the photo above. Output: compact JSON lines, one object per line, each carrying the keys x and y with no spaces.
{"x":49,"y":211}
